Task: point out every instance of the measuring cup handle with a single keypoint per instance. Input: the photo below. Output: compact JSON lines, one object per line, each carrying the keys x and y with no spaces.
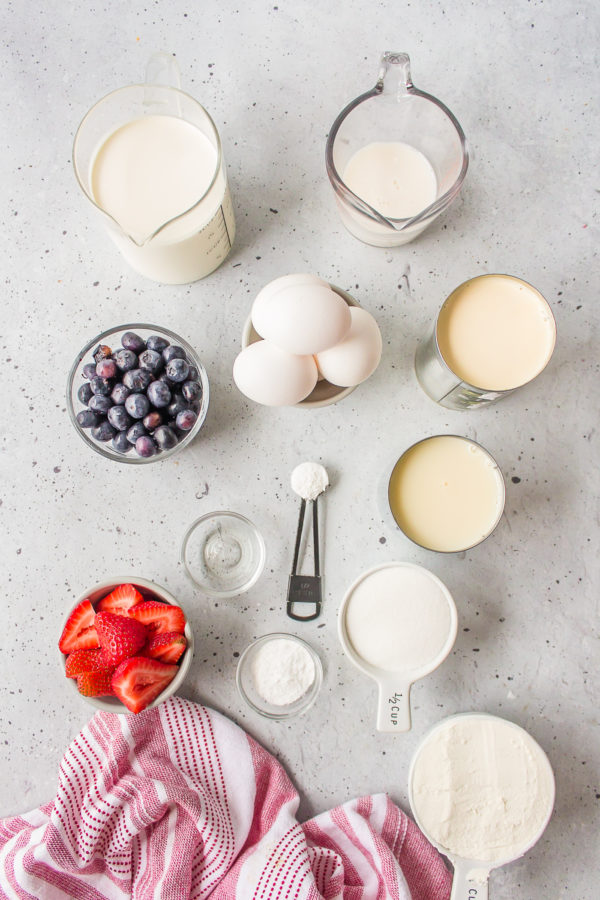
{"x":393,"y":709}
{"x":162,"y":68}
{"x":468,"y":883}
{"x":394,"y":74}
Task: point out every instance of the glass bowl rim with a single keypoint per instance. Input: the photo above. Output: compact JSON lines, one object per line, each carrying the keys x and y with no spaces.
{"x":100,"y":448}
{"x":300,"y":706}
{"x":228,"y":513}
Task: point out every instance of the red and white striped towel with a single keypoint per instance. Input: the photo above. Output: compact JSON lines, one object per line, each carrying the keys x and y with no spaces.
{"x":178,"y":802}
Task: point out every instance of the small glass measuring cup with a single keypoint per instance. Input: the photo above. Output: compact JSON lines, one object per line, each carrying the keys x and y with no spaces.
{"x":187,"y":246}
{"x":396,"y":111}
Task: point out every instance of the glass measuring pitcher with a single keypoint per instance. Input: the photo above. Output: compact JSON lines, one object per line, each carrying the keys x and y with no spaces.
{"x":396,"y":158}
{"x":149,"y":159}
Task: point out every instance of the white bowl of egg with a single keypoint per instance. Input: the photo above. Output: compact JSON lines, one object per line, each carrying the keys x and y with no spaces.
{"x":306,"y":343}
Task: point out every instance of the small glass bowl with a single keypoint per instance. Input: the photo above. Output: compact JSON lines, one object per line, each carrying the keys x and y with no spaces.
{"x":223,"y":553}
{"x":248,"y":692}
{"x":112,"y":337}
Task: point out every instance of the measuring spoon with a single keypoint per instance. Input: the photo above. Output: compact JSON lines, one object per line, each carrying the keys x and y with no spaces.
{"x":471,"y":875}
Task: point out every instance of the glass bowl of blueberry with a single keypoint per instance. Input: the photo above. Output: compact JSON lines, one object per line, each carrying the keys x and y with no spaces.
{"x":137,"y":393}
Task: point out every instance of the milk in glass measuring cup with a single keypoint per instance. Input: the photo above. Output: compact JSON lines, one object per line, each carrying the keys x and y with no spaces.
{"x":149,"y":159}
{"x":396,"y":158}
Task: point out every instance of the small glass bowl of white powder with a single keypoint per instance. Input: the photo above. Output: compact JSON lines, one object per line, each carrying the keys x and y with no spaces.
{"x":279,"y":676}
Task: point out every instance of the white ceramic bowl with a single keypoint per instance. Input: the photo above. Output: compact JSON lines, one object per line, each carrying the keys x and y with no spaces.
{"x":150,"y":591}
{"x":325,"y":393}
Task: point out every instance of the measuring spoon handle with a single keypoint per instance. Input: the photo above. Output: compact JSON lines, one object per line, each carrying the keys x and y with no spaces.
{"x":470,"y":882}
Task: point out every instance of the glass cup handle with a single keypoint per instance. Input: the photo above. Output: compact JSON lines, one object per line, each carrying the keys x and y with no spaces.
{"x":162,"y":68}
{"x":395,"y":67}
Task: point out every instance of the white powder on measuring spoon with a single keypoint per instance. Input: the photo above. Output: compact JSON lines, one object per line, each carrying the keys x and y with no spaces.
{"x":309,"y":479}
{"x":282,"y":671}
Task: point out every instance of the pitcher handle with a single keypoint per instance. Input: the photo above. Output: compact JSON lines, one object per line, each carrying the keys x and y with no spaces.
{"x":162,"y":68}
{"x":395,"y":66}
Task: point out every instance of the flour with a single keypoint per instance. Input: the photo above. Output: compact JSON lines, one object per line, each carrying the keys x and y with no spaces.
{"x":482,"y":788}
{"x":282,"y":671}
{"x":309,"y":479}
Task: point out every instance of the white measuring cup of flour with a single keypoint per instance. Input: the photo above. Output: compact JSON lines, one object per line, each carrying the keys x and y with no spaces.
{"x":148,"y":157}
{"x":470,"y":881}
{"x":397,"y":623}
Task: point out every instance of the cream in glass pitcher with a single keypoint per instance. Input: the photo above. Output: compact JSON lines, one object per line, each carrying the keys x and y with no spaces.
{"x":149,"y":159}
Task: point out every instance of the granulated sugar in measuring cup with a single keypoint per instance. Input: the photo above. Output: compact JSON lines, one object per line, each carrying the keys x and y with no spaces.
{"x":482,"y":791}
{"x":149,"y":159}
{"x":397,"y":623}
{"x":396,"y":158}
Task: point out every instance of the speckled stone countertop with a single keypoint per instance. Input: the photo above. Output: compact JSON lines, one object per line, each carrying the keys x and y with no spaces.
{"x":521,"y":78}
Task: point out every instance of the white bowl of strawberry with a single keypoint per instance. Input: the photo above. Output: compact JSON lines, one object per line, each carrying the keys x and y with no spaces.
{"x":126,"y":645}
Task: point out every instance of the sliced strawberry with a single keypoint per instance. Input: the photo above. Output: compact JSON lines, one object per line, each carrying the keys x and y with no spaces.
{"x":159,"y":617}
{"x":167,"y":647}
{"x":80,"y":631}
{"x":139,"y":681}
{"x":80,"y":661}
{"x":119,"y":637}
{"x":121,"y":600}
{"x":95,"y":684}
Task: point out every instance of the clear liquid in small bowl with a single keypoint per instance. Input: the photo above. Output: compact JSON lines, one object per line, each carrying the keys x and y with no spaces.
{"x":224,"y":553}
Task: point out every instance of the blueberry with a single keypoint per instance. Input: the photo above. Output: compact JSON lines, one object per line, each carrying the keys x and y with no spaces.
{"x":106,"y":368}
{"x":120,"y":442}
{"x":125,"y":360}
{"x":173,"y":352}
{"x":164,"y":377}
{"x":186,"y":419}
{"x":136,"y":431}
{"x":159,"y":394}
{"x":165,"y":437}
{"x":132,"y":341}
{"x":84,"y":393}
{"x":101,"y":385}
{"x":100,"y":404}
{"x":87,"y":418}
{"x":104,"y":431}
{"x":193,"y":374}
{"x":145,"y":446}
{"x":157,"y":343}
{"x":89,"y":371}
{"x":119,"y":394}
{"x":137,"y":405}
{"x":152,"y":420}
{"x":177,"y":404}
{"x":151,"y":360}
{"x":118,"y":418}
{"x":191,"y":390}
{"x":137,"y":379}
{"x":178,"y":370}
{"x":102,"y":351}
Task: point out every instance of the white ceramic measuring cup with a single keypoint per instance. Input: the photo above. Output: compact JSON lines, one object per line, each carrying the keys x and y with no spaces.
{"x":393,"y":706}
{"x":470,"y":881}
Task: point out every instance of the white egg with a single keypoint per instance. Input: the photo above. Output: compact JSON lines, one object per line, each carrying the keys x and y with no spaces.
{"x":259,"y":307}
{"x":271,"y":376}
{"x":357,"y":355}
{"x":306,"y":318}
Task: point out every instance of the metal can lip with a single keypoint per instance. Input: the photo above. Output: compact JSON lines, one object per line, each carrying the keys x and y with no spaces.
{"x":501,"y":483}
{"x":469,"y":385}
